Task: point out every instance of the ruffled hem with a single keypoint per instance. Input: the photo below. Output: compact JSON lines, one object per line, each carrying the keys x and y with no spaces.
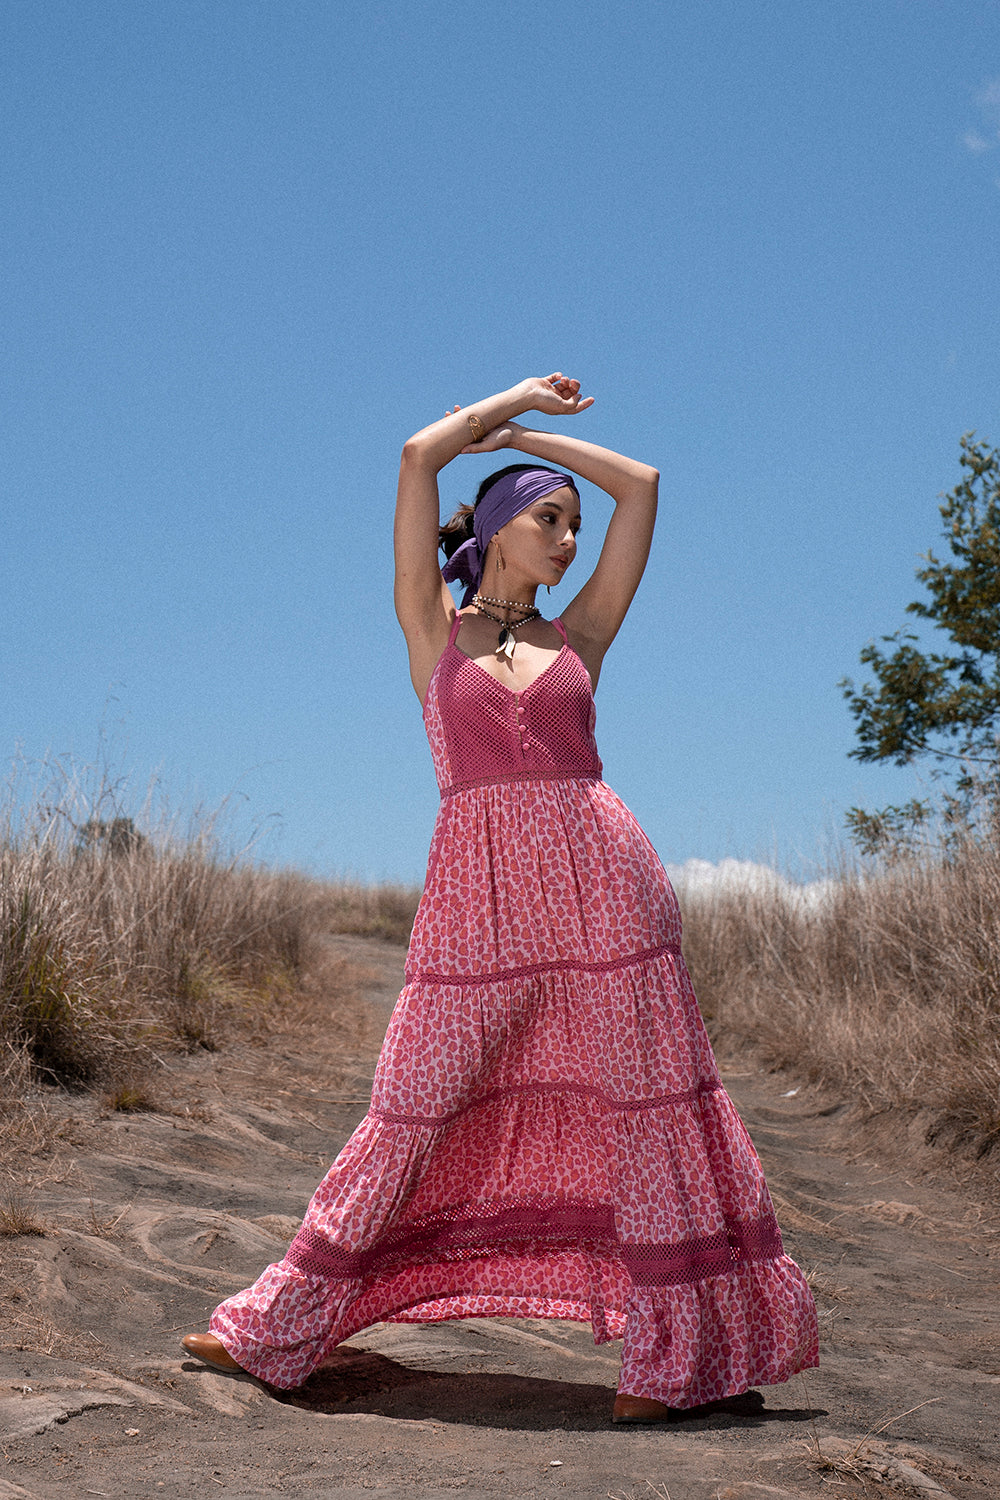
{"x":654,"y":1204}
{"x":683,"y":1345}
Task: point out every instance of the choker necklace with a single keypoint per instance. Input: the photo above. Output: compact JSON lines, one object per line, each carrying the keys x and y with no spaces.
{"x":522,"y":609}
{"x":505,"y":640}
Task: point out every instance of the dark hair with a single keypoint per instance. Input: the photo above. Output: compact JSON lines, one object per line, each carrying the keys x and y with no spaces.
{"x":459,"y":529}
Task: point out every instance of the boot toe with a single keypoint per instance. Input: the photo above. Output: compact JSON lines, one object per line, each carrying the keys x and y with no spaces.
{"x":640,"y":1409}
{"x":210,"y":1350}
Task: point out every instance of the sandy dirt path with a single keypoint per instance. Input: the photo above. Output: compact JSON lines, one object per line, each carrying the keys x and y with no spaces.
{"x":150,"y":1219}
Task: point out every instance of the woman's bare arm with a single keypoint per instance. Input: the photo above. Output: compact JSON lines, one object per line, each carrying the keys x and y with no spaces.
{"x":594,"y":616}
{"x":424,"y":606}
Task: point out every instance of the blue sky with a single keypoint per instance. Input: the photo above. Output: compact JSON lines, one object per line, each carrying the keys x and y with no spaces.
{"x":249,"y":247}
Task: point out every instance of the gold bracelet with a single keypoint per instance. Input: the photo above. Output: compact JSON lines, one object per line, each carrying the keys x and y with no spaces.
{"x":476,"y":428}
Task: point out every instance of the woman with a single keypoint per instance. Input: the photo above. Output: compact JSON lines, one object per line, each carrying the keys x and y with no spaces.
{"x":548,"y":1134}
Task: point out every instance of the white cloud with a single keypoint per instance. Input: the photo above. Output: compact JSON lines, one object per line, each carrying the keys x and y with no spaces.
{"x":974,"y":142}
{"x":987,"y":101}
{"x":988,"y":98}
{"x":986,"y":136}
{"x":699,"y":877}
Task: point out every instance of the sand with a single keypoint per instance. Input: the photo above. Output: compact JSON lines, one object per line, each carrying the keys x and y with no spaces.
{"x":151,"y":1218}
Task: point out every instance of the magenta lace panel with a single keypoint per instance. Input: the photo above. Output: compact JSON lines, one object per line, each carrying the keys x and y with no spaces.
{"x":537,"y":1228}
{"x":608,"y":1101}
{"x":574,"y":965}
{"x":704,"y":1255}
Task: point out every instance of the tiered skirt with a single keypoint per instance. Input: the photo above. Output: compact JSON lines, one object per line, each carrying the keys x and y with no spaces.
{"x":548,"y":1134}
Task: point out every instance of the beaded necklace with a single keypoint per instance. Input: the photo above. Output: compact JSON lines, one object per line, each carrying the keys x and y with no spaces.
{"x":505,"y":640}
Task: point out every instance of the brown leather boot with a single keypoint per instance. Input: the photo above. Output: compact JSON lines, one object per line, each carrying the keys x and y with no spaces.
{"x":210,"y":1350}
{"x":640,"y":1409}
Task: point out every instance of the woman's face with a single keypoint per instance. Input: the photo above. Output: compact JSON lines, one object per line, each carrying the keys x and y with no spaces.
{"x":540,"y":542}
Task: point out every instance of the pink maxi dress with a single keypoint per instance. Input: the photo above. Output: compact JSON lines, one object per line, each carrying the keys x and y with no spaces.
{"x":548,"y":1135}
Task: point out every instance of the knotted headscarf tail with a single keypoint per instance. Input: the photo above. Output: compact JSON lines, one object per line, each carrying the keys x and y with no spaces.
{"x":501,"y":503}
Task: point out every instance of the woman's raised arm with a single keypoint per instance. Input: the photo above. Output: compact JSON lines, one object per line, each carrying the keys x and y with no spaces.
{"x":424,"y":606}
{"x":594,"y":616}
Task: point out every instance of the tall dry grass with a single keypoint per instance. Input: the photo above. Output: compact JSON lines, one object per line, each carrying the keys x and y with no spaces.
{"x":378,"y":911}
{"x":118,"y":940}
{"x":885,"y":986}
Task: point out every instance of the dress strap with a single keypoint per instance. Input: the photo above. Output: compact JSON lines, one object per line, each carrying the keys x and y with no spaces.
{"x":561,"y":629}
{"x":456,"y":626}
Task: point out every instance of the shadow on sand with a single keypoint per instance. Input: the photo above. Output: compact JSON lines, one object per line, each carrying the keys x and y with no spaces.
{"x":361,"y":1381}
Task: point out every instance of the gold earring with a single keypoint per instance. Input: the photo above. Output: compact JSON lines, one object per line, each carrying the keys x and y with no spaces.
{"x":500,"y":564}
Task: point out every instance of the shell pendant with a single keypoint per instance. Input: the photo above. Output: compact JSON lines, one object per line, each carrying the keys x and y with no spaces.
{"x":505,"y":643}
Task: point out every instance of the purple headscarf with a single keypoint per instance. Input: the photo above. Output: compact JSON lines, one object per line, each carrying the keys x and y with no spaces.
{"x":501,"y":503}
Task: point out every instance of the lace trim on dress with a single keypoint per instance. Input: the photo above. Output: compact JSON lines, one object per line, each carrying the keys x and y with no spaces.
{"x":610,"y":1103}
{"x":565,"y":965}
{"x":546,"y":776}
{"x":539,"y":1226}
{"x":705,"y":1254}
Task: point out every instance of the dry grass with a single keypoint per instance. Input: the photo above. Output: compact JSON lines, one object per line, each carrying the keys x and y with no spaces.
{"x":649,"y":1491}
{"x":380,"y":911}
{"x":17,"y":1217}
{"x":886,"y":987}
{"x":131,"y":1096}
{"x":865,"y":1459}
{"x":118,"y":942}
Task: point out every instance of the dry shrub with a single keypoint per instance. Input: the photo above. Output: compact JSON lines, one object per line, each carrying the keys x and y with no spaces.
{"x":380,"y":911}
{"x":886,"y":985}
{"x":17,"y":1217}
{"x":131,"y":1096}
{"x":116,"y":943}
{"x":107,"y":950}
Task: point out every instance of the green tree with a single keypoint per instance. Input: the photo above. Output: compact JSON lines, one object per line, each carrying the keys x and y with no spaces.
{"x":943,"y":706}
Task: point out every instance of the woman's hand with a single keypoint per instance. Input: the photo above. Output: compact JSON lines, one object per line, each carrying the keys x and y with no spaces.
{"x":556,"y":395}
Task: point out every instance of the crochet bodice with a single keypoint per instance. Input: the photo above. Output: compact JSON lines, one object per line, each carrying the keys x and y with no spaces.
{"x":482,"y":732}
